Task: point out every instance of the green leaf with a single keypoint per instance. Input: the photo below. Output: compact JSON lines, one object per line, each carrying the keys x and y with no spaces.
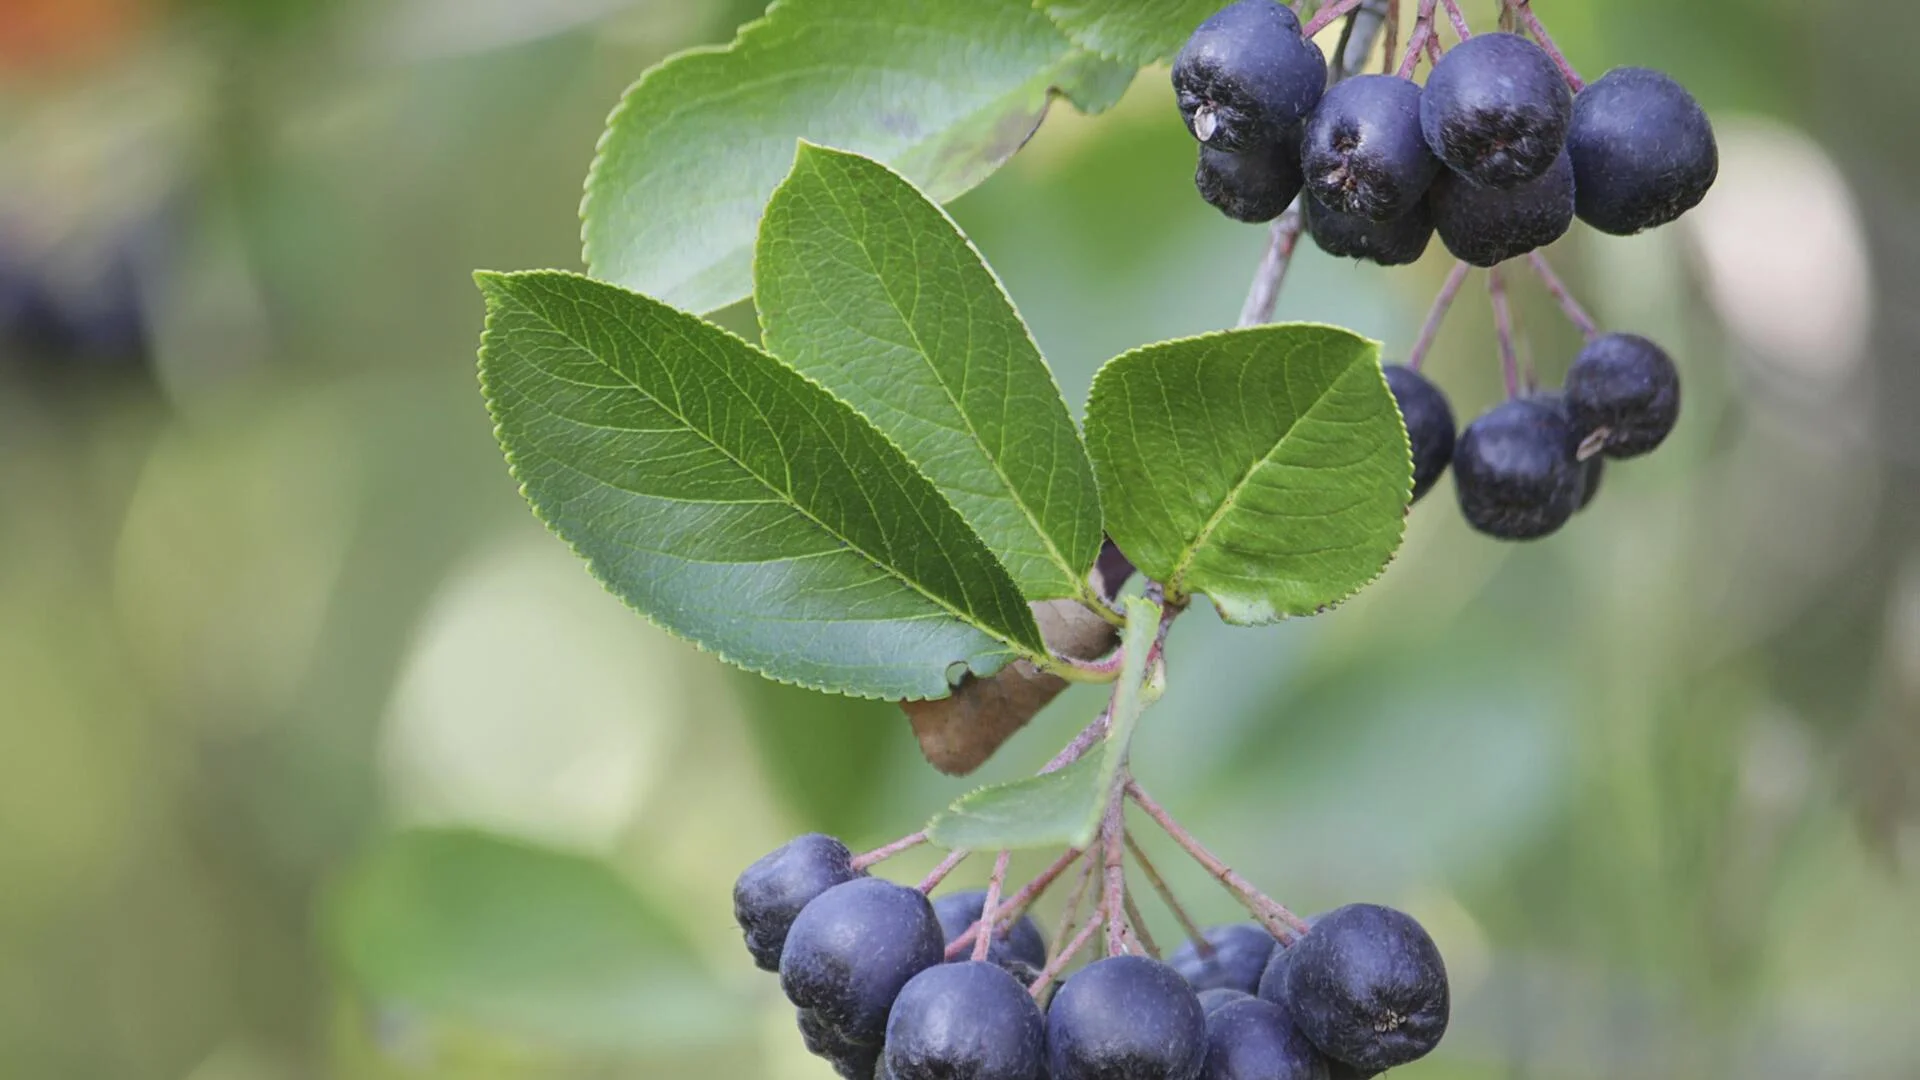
{"x":1062,"y":807}
{"x":944,"y":90}
{"x":735,"y":502}
{"x":1266,"y":468}
{"x":870,"y":289}
{"x":493,"y":931}
{"x":1133,"y":31}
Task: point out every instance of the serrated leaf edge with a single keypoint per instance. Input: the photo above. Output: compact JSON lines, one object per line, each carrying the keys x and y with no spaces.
{"x":1012,"y":650}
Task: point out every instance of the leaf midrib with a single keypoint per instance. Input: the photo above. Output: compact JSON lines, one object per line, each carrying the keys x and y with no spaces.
{"x":786,"y":498}
{"x":1184,"y":561}
{"x":1053,"y":551}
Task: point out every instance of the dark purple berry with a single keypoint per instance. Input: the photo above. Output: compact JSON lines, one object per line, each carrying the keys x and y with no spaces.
{"x":1363,"y":152}
{"x":1257,"y":1040}
{"x":1247,"y":78}
{"x":1212,"y":1001}
{"x":854,"y":1060}
{"x":1126,"y":1017}
{"x":769,"y":894}
{"x":1487,"y":226}
{"x":1643,"y":151}
{"x":1430,"y":428}
{"x":965,"y":1021}
{"x":1515,"y":472}
{"x":1240,"y":954}
{"x":1254,"y":186}
{"x":1496,"y":110}
{"x":1022,"y":949}
{"x":1628,"y":386}
{"x":1368,"y":987}
{"x":853,"y":948}
{"x":1387,"y":243}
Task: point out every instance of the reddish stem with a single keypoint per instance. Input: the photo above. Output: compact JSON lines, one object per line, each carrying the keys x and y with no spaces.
{"x":1065,"y":956}
{"x":1423,"y":33}
{"x":1071,"y":912}
{"x":990,"y":907}
{"x":1391,"y":45}
{"x":1138,"y":925}
{"x":1436,"y":315}
{"x":1503,"y":329}
{"x":1280,"y":922}
{"x":939,"y":873}
{"x":1459,"y":19}
{"x":1326,"y":15}
{"x":1194,"y":934}
{"x":1539,"y":31}
{"x":1576,"y":314}
{"x":1115,"y":887}
{"x":1264,"y":296}
{"x":887,"y":851}
{"x":1018,"y":903}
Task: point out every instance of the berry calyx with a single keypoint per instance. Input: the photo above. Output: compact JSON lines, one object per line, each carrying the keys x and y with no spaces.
{"x":1247,"y":77}
{"x":1363,"y":152}
{"x":1254,"y":186}
{"x":1625,"y":390}
{"x":853,"y":948}
{"x":1126,"y":1016}
{"x":1386,"y":243}
{"x":1021,"y":949}
{"x":1643,"y":151}
{"x":1240,"y":954}
{"x":1430,"y":425}
{"x":1367,"y":986}
{"x":1487,"y":226}
{"x":769,"y":895}
{"x":1496,"y":110}
{"x":967,"y":1020}
{"x":1257,"y":1040}
{"x":1515,"y":472}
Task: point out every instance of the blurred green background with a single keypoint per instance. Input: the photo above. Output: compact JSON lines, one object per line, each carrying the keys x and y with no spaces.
{"x":319,"y":758}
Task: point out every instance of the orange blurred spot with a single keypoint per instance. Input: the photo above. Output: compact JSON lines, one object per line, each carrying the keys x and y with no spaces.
{"x":37,"y":33}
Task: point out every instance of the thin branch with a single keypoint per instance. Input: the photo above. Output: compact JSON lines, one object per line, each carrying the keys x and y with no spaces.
{"x":1422,"y":36}
{"x":1324,"y":18}
{"x":939,"y":873}
{"x":1539,"y":30}
{"x":1392,"y":44}
{"x":887,"y":851}
{"x":1114,"y":890}
{"x":1280,"y":922}
{"x":1264,"y":295}
{"x":1193,"y":931}
{"x":1436,"y":315}
{"x":990,"y":907}
{"x":1081,"y":743}
{"x":1458,"y":18}
{"x":1563,"y":296}
{"x":1503,"y":329}
{"x":1018,"y":904}
{"x":1138,"y":925}
{"x":1070,"y":914}
{"x":1065,"y":956}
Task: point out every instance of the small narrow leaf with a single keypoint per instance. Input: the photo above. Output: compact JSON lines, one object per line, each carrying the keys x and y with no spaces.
{"x":1062,"y":807}
{"x":1134,"y":31}
{"x":944,"y":90}
{"x":733,"y":501}
{"x":1267,"y":468}
{"x":867,"y":287}
{"x":492,"y":931}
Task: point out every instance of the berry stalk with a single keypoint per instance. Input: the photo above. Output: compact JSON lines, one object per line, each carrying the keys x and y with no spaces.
{"x":1524,"y":9}
{"x":1503,"y":329}
{"x":1563,"y":296}
{"x":1062,"y":957}
{"x":1264,"y":295}
{"x":1201,"y":946}
{"x":1019,"y":902}
{"x":990,"y":907}
{"x":1458,"y":18}
{"x":1436,"y":315}
{"x":1280,"y":922}
{"x":887,"y":851}
{"x":1420,"y":39}
{"x":1324,"y":17}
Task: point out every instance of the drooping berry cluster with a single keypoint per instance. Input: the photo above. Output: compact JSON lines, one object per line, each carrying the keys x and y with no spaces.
{"x":893,"y":986}
{"x":1496,"y":154}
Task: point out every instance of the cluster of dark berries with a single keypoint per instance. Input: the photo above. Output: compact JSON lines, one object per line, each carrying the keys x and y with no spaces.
{"x":1526,"y":466}
{"x":865,"y":963}
{"x":1495,"y":153}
